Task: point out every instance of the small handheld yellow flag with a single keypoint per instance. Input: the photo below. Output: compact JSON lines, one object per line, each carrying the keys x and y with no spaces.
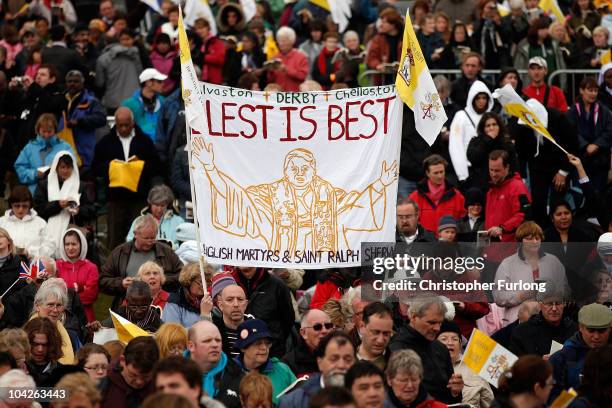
{"x":516,"y":106}
{"x":125,"y":174}
{"x":552,"y":7}
{"x":126,"y":330}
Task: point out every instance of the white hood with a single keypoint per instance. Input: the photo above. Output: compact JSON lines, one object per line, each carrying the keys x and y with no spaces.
{"x":476,"y":88}
{"x":83,"y":245}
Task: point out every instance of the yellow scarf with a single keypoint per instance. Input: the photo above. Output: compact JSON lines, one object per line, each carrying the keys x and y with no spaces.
{"x":67,"y":352}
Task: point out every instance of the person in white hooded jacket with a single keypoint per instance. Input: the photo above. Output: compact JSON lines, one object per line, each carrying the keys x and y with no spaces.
{"x":464,"y":127}
{"x":28,"y":230}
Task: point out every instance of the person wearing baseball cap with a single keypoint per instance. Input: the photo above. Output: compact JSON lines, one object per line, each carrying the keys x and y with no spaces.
{"x":549,"y":96}
{"x":147,"y":101}
{"x":254,"y":342}
{"x":594,"y":322}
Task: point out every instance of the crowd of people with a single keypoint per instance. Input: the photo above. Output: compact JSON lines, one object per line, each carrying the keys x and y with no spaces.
{"x":249,"y":337}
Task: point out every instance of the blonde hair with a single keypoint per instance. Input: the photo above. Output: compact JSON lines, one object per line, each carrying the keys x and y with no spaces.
{"x":339,"y":312}
{"x":4,"y":233}
{"x":255,"y":388}
{"x":47,"y":120}
{"x":556,"y":25}
{"x":169,"y":335}
{"x":79,"y":383}
{"x":150,"y":265}
{"x":191,"y":272}
{"x":15,"y":338}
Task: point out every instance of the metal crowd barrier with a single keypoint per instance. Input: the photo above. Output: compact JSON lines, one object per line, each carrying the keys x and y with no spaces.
{"x":570,"y":77}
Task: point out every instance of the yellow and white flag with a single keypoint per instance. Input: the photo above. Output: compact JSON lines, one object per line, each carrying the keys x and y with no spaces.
{"x":486,"y":358}
{"x":340,"y":11}
{"x":126,"y":330}
{"x":516,"y":106}
{"x":417,"y":89}
{"x":552,"y":7}
{"x":191,"y":89}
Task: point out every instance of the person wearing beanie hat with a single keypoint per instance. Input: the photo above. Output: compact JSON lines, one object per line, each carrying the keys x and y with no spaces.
{"x":473,"y":221}
{"x":231,"y":305}
{"x":447,"y":228}
{"x":594,"y":322}
{"x":220,"y":281}
{"x":254,"y":342}
{"x":476,"y":391}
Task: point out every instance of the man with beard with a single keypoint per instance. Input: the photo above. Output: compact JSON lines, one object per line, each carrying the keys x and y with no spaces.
{"x":335,"y":355}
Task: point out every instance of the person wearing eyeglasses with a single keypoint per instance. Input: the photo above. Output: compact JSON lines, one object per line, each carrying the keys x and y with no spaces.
{"x":536,"y":335}
{"x":138,"y":308}
{"x":315,"y":325}
{"x":594,"y":323}
{"x":375,"y":331}
{"x":94,"y":359}
{"x":254,"y":344}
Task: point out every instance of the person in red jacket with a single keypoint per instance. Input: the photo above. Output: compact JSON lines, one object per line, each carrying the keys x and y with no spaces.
{"x":506,"y":198}
{"x":292,"y":67}
{"x":549,"y":96}
{"x":213,"y":53}
{"x":435,"y":196}
{"x":78,"y":273}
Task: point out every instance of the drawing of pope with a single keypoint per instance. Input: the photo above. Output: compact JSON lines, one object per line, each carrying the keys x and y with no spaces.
{"x":298,"y":212}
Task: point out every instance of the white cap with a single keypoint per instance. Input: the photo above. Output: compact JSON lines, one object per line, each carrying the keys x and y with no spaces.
{"x":151,"y":73}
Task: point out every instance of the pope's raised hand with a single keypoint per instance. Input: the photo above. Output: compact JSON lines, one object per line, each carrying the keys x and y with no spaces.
{"x":388,"y":174}
{"x":202,"y":153}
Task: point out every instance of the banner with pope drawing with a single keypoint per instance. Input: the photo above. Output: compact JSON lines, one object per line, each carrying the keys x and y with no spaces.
{"x":295,"y":179}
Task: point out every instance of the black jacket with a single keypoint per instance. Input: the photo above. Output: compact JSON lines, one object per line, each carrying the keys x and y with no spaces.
{"x":600,"y":161}
{"x":47,"y":209}
{"x":110,"y":148}
{"x":550,"y":158}
{"x":535,"y":335}
{"x":478,"y":154}
{"x":467,"y":234}
{"x":65,"y":59}
{"x":269,"y":300}
{"x":460,"y":88}
{"x":301,"y":360}
{"x":437,"y":364}
{"x":227,"y":381}
{"x":217,"y":318}
{"x":9,"y":272}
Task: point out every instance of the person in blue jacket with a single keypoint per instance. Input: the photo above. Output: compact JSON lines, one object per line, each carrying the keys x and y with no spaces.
{"x":39,"y":153}
{"x":147,"y":101}
{"x":83,"y":114}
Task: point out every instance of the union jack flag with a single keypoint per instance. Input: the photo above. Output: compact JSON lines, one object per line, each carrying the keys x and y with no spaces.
{"x":35,"y":269}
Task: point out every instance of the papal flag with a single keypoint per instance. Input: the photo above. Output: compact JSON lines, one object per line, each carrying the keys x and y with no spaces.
{"x":552,"y":7}
{"x":191,"y":90}
{"x":417,"y":89}
{"x":126,"y":330}
{"x":516,"y":106}
{"x":486,"y":358}
{"x":340,"y":11}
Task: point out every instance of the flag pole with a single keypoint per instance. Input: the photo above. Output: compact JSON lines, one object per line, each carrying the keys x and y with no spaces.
{"x":193,"y":202}
{"x":10,"y":287}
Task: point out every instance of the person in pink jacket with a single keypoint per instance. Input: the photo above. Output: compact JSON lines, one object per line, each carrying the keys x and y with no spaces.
{"x":78,"y":273}
{"x":292,"y":66}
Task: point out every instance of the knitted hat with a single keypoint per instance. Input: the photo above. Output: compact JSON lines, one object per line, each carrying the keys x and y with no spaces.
{"x":473,"y":196}
{"x":447,"y":221}
{"x":220,"y":281}
{"x":448,"y":326}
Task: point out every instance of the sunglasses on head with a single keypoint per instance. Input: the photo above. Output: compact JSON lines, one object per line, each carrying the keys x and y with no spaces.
{"x":319,"y":326}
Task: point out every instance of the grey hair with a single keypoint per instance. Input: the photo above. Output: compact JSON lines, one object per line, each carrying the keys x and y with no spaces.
{"x":353,"y":294}
{"x":286,"y":32}
{"x":52,"y":288}
{"x":348,"y":34}
{"x":138,"y":288}
{"x":75,"y":73}
{"x":407,"y":361}
{"x":149,"y":265}
{"x":146,"y":220}
{"x":12,"y":379}
{"x":419,"y":306}
{"x":442,"y":83}
{"x":160,"y":194}
{"x":124,"y":109}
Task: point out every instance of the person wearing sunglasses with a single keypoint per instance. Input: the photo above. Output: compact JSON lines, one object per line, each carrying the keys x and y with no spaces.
{"x":594,"y":323}
{"x":316,"y":324}
{"x":254,"y":344}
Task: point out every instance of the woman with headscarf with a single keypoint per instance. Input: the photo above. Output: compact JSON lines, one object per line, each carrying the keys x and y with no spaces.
{"x":78,"y":273}
{"x":58,"y":198}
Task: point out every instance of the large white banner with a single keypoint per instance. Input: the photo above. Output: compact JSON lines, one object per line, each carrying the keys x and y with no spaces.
{"x":296,"y":179}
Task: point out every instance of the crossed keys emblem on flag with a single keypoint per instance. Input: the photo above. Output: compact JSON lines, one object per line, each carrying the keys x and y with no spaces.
{"x":187,"y":96}
{"x":432,"y":106}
